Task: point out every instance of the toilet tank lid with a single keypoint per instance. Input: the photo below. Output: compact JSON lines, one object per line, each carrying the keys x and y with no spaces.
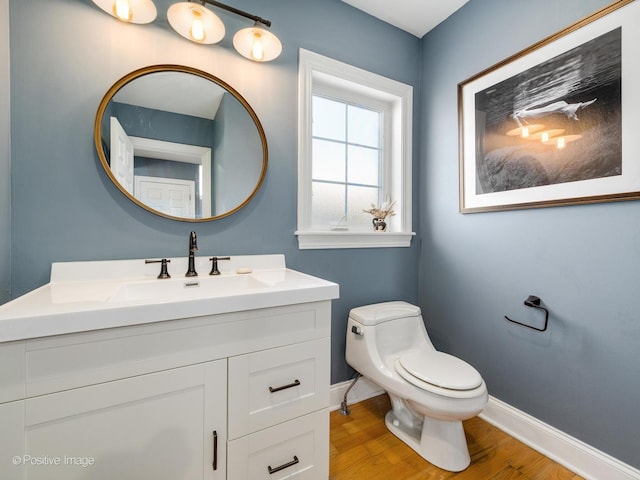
{"x":383,"y":312}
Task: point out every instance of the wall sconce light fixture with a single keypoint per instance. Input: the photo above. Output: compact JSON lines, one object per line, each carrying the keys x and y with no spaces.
{"x":195,"y":22}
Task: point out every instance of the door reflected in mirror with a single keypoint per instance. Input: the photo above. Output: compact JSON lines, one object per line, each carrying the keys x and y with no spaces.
{"x":181,"y":143}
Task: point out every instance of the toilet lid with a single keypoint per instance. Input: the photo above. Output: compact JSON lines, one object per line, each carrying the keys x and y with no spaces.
{"x":441,"y":369}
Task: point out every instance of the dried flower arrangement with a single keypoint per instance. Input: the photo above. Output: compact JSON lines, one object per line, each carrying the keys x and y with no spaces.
{"x":383,"y":211}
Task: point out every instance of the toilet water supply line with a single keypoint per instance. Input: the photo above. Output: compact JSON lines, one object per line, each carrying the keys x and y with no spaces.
{"x":344,"y":408}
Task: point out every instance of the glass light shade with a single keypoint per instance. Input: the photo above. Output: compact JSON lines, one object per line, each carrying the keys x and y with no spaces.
{"x":257,"y":44}
{"x":131,"y":11}
{"x":195,"y":22}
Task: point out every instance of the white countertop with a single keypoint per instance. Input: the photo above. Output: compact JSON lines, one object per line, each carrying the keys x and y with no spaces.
{"x":84,"y":296}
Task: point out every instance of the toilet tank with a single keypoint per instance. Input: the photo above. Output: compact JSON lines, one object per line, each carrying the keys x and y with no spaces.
{"x":394,"y":326}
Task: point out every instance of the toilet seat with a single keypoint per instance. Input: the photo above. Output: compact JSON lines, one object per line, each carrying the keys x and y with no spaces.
{"x":436,"y":371}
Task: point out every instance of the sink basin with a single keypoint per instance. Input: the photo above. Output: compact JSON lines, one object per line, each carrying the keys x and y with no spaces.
{"x":186,"y":288}
{"x":94,"y":295}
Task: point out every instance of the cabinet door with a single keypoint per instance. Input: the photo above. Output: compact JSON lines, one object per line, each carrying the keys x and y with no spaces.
{"x":12,"y":440}
{"x":156,"y":426}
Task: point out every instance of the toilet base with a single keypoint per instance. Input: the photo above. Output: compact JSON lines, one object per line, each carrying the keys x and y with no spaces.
{"x":440,"y":442}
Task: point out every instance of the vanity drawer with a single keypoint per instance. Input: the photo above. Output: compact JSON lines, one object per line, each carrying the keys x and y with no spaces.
{"x":52,"y":363}
{"x":276,"y":385}
{"x":297,"y":449}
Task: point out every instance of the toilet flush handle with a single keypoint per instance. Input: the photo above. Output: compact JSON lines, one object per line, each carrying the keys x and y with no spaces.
{"x":357,"y":330}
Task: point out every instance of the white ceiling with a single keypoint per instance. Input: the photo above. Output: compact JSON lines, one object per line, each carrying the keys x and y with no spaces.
{"x":189,"y":94}
{"x":414,"y":16}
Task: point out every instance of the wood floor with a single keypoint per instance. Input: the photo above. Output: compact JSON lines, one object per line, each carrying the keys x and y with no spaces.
{"x":363,"y":449}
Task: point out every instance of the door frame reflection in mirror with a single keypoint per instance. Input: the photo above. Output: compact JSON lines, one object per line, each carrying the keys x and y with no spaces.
{"x":122,"y":82}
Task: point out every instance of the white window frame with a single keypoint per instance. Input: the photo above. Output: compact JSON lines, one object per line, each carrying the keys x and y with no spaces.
{"x":320,"y":74}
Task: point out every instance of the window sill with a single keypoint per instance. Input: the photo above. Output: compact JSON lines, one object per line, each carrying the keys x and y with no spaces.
{"x":316,"y":240}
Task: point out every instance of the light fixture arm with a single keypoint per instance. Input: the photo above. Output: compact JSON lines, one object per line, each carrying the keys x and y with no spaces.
{"x":242,"y":13}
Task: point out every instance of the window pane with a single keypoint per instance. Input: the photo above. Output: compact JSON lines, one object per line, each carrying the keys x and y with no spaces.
{"x":328,"y":161}
{"x":363,"y":166}
{"x":327,"y":204}
{"x":364,"y":126}
{"x":329,"y":119}
{"x":360,"y":198}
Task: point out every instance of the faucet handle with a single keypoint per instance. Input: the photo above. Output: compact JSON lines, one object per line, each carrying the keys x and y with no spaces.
{"x":164,"y":271}
{"x":214,"y":264}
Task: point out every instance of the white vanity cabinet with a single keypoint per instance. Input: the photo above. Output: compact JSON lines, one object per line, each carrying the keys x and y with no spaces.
{"x":169,"y":424}
{"x":239,"y":395}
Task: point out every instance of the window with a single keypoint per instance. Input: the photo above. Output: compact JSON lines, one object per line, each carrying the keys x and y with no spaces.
{"x":354,"y":151}
{"x":346,"y":156}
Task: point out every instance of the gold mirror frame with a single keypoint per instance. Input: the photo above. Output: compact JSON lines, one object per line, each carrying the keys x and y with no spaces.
{"x":181,"y":69}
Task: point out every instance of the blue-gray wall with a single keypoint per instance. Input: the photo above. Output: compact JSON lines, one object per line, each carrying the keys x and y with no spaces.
{"x":236,"y":167}
{"x":65,"y":54}
{"x":5,"y":157}
{"x":159,"y":125}
{"x":155,"y":124}
{"x":580,"y":376}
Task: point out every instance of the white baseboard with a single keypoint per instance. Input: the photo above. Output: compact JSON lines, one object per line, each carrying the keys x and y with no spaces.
{"x":577,"y":456}
{"x":362,"y":390}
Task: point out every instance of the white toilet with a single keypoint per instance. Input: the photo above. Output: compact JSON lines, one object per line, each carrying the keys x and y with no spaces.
{"x":431,"y":392}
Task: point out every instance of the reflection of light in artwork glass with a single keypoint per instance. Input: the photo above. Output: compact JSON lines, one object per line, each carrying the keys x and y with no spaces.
{"x":525,"y":131}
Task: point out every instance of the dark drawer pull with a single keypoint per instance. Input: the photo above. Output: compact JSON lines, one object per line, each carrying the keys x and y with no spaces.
{"x":282,"y":467}
{"x":284,"y":387}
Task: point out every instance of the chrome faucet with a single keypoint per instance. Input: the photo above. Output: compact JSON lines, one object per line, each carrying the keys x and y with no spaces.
{"x":193,"y":247}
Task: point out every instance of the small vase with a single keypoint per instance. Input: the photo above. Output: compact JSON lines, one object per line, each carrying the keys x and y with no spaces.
{"x":379,"y":225}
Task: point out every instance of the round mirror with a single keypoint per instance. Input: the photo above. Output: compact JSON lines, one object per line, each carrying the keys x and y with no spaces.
{"x":181,"y":143}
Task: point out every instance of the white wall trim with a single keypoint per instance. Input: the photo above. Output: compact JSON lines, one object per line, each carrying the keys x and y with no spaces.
{"x":179,"y":152}
{"x":574,"y":454}
{"x":315,"y":69}
{"x":577,"y":456}
{"x":362,"y":390}
{"x":5,"y":154}
{"x":309,"y":240}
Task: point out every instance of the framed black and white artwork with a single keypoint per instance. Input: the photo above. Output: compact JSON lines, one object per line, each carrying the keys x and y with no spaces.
{"x":556,"y":123}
